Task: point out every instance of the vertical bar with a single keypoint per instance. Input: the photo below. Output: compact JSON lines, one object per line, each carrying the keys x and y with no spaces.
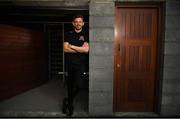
{"x":63,"y":52}
{"x":49,"y":54}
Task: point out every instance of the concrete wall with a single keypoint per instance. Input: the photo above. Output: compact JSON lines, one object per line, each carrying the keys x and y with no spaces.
{"x":101,"y":58}
{"x":171,"y":70}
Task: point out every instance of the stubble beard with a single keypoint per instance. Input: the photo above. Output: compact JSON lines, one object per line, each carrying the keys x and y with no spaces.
{"x":78,"y":29}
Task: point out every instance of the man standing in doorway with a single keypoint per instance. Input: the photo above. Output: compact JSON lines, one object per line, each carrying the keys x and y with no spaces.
{"x":76,"y":50}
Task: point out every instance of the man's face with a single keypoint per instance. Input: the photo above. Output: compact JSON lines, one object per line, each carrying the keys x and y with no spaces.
{"x":78,"y":23}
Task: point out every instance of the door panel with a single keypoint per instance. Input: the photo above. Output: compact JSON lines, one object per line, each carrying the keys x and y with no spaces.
{"x":135,"y":58}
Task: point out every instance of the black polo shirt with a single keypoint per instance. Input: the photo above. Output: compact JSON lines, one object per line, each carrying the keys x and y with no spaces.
{"x":76,"y":39}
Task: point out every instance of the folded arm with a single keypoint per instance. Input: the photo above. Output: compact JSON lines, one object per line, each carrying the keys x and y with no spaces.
{"x":68,"y":48}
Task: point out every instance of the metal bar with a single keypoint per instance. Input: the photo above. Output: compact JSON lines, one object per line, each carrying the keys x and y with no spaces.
{"x":63,"y":52}
{"x":65,"y":73}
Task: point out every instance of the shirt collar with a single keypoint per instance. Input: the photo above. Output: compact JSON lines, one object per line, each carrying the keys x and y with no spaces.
{"x":78,"y":32}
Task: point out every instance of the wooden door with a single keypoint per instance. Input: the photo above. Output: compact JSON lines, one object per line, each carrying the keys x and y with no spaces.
{"x":136,"y":56}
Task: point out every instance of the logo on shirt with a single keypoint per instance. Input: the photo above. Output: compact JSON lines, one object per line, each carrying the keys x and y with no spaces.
{"x":81,"y":38}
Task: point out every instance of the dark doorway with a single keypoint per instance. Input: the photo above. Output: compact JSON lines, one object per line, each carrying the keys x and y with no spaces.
{"x":53,"y":22}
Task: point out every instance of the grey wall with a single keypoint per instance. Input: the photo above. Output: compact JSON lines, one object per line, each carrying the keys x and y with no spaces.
{"x":101,"y":58}
{"x":171,"y":70}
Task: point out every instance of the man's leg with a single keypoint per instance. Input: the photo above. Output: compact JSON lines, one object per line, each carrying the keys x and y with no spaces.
{"x":70,"y":85}
{"x":68,"y":102}
{"x":79,"y":77}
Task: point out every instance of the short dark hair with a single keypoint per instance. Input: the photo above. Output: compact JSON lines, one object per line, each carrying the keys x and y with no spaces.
{"x":78,"y":16}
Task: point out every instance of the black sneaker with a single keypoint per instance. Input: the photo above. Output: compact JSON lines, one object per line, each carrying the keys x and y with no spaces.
{"x":69,"y":110}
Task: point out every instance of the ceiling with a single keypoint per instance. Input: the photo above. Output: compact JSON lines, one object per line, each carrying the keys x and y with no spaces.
{"x":41,"y":12}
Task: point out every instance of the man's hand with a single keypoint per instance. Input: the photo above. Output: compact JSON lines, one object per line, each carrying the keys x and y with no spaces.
{"x":67,"y":48}
{"x":85,"y":44}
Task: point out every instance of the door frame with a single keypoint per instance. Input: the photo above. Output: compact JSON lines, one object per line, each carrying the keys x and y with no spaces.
{"x":160,"y":47}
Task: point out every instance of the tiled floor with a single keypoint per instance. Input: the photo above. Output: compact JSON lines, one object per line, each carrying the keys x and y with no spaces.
{"x":43,"y":101}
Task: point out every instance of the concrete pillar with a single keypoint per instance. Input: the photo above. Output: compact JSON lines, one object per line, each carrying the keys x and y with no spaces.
{"x":170,"y":105}
{"x":101,"y":57}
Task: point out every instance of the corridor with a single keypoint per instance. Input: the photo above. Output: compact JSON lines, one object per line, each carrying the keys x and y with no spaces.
{"x":43,"y":101}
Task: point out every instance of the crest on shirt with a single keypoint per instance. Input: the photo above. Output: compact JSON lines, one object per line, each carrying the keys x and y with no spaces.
{"x":81,"y":38}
